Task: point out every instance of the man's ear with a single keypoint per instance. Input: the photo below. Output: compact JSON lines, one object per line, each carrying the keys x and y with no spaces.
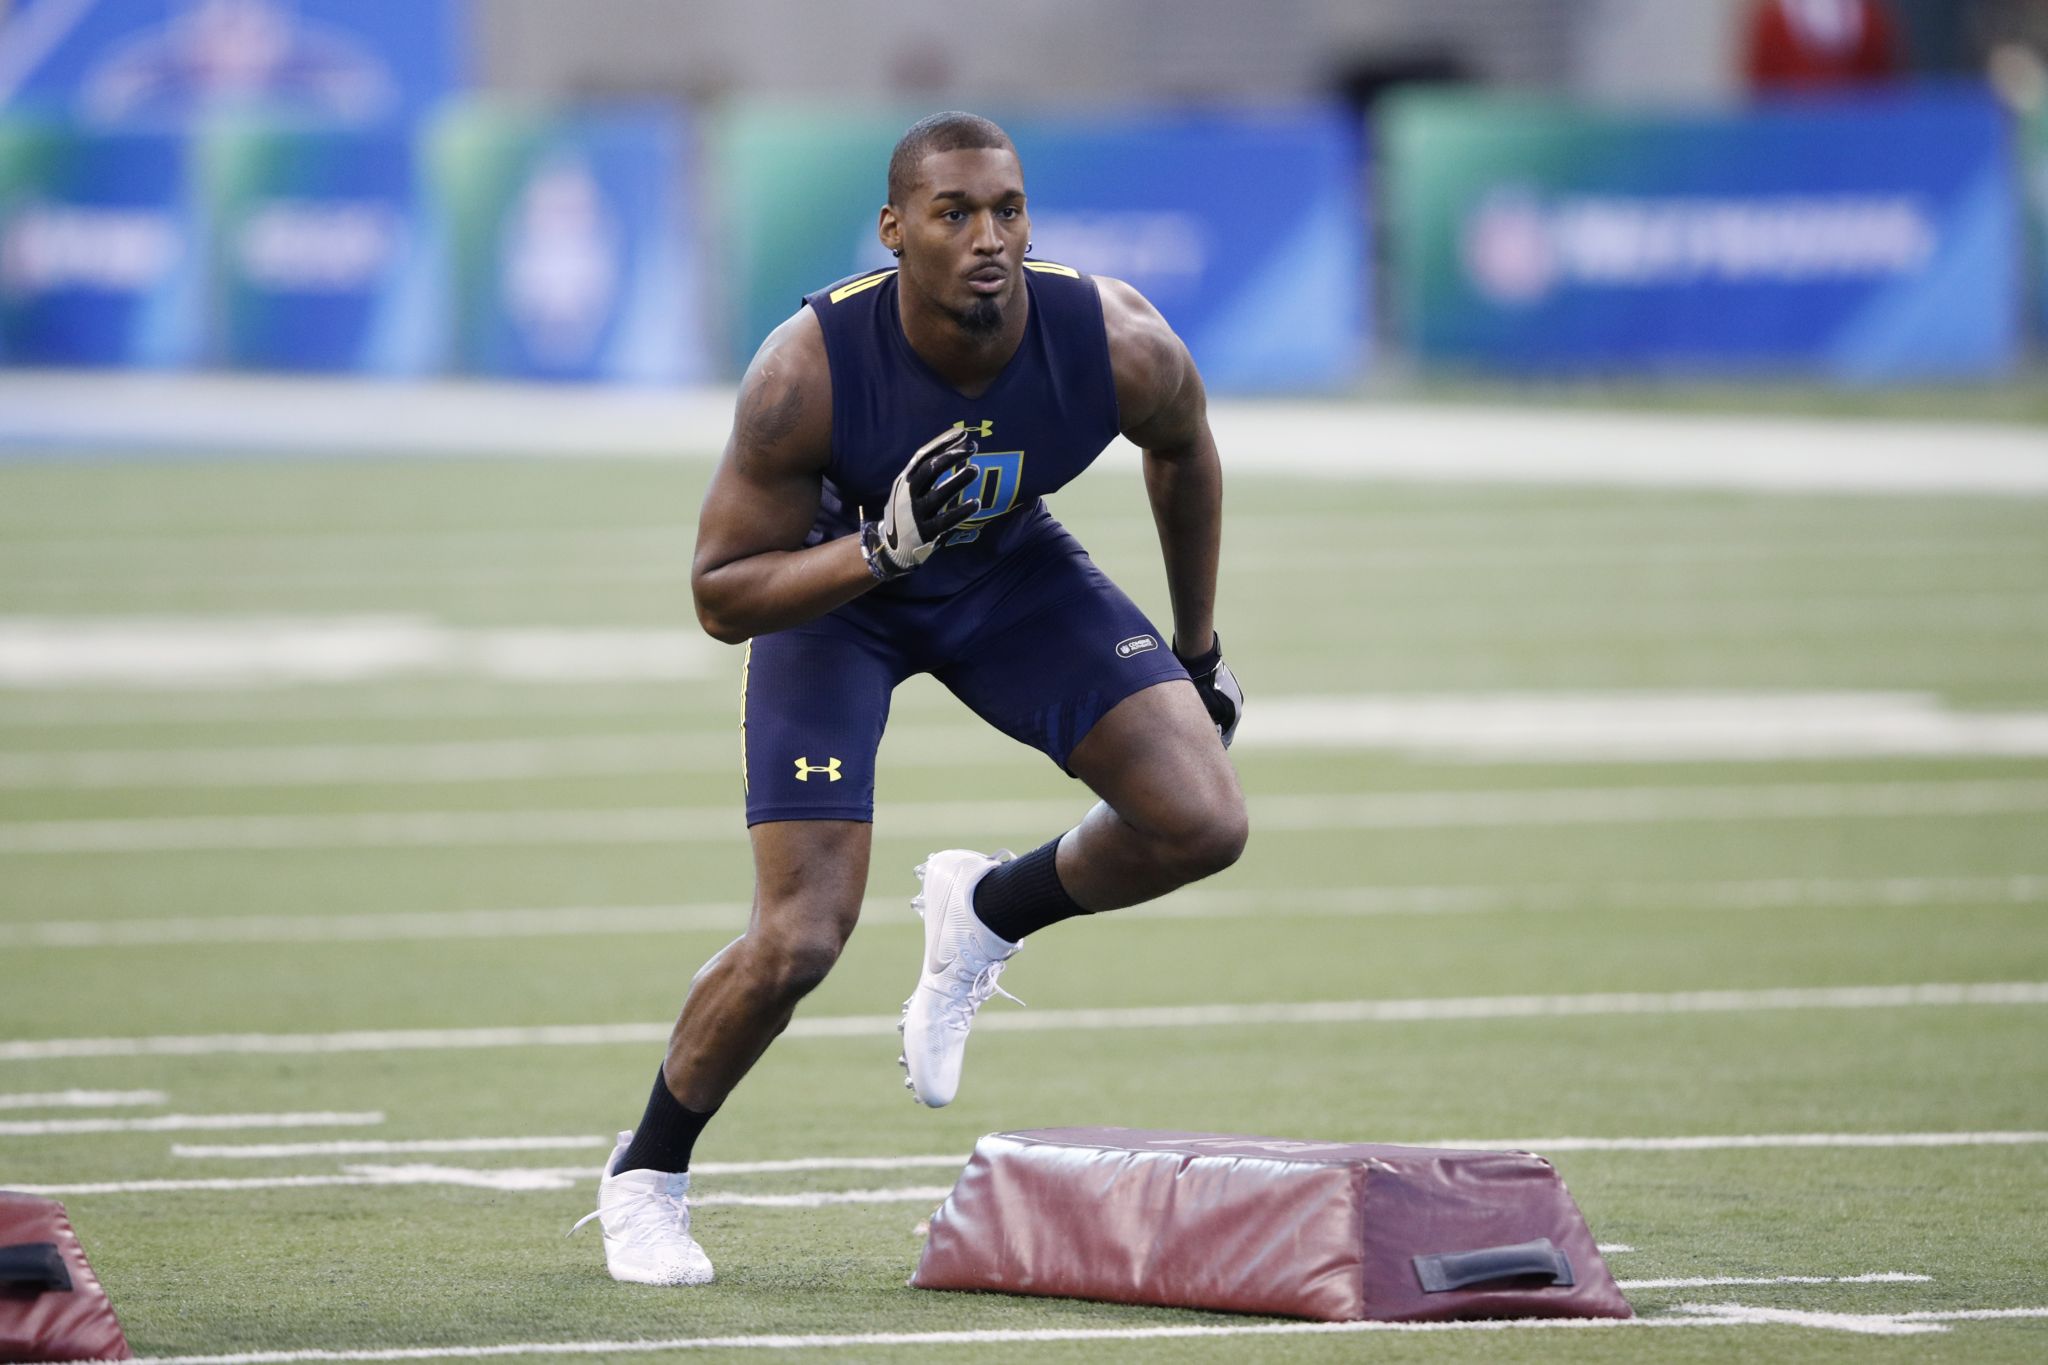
{"x":890,"y":230}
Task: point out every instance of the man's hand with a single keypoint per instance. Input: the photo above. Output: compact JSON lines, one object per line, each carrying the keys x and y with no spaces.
{"x":917,"y":516}
{"x":1217,"y":687}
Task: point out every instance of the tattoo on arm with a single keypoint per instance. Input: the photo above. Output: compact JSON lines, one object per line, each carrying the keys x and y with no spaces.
{"x":771,"y":416}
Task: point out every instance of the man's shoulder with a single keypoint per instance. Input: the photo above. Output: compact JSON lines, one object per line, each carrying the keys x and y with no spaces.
{"x":797,"y":341}
{"x":785,"y":400}
{"x":1147,"y":357}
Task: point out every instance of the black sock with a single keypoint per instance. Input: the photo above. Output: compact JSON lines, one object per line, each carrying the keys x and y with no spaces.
{"x":1024,"y":895}
{"x":666,"y":1133}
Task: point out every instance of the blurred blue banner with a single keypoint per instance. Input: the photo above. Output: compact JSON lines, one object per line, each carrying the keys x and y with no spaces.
{"x":2034,"y":177}
{"x":571,"y":256}
{"x":1245,"y":229}
{"x":1866,"y":239}
{"x":101,"y":261}
{"x":158,"y":62}
{"x":321,"y":260}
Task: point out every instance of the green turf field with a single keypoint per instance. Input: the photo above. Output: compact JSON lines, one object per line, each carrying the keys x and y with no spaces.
{"x":251,"y":890}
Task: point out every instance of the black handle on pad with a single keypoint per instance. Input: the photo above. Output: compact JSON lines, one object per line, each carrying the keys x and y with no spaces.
{"x":1461,"y":1269}
{"x":34,"y":1265}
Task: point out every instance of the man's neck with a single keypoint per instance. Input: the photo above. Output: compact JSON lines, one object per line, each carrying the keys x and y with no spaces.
{"x":968,"y":361}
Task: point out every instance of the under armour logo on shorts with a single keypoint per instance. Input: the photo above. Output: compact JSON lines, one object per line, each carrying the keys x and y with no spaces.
{"x":804,"y":769}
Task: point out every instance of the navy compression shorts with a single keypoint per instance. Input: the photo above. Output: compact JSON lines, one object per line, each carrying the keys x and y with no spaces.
{"x":1041,"y":647}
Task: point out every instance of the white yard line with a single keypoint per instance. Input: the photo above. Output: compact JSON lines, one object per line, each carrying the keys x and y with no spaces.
{"x":185,"y":1123}
{"x":594,"y":1142}
{"x":564,"y":921}
{"x":505,"y":1179}
{"x":266,"y":1151}
{"x":1516,"y":445}
{"x":1434,"y":1009}
{"x":1769,"y":893}
{"x":1746,"y":1141}
{"x":560,"y":1177}
{"x":1687,"y":1315}
{"x":1555,"y":727}
{"x":577,"y":921}
{"x":1449,"y":809}
{"x":81,"y":1099}
{"x":414,"y":700}
{"x":1645,"y":727}
{"x":1863,"y":1324}
{"x":171,"y":652}
{"x":1722,"y":1281}
{"x":952,"y":1160}
{"x":497,"y":760}
{"x":1326,"y":439}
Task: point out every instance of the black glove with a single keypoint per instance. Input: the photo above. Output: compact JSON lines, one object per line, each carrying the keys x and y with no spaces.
{"x":917,"y":515}
{"x":1217,"y":687}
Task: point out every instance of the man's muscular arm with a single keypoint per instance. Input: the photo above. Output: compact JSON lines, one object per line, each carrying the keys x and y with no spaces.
{"x":1165,"y":414}
{"x":751,"y":574}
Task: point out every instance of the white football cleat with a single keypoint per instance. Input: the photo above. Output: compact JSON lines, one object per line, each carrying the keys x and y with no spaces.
{"x":645,"y":1216}
{"x":962,"y":959}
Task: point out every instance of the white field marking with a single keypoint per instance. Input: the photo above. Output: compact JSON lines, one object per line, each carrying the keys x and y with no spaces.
{"x":1317,"y":439}
{"x":1784,"y":893}
{"x":594,"y":1142}
{"x":136,"y":584}
{"x":567,"y":921}
{"x":1428,"y":1010}
{"x":1721,"y":1281}
{"x":1512,"y":808}
{"x":214,"y":414}
{"x":370,"y":1147}
{"x":541,"y":560}
{"x":1507,"y":445}
{"x":433,"y":547}
{"x":1746,"y":1141}
{"x":454,"y":761}
{"x":1598,"y":727}
{"x":169,"y":653}
{"x":1505,"y":551}
{"x":1861,"y":1324}
{"x":1774,"y":893}
{"x":506,"y":1179}
{"x":1688,"y":1315}
{"x":424,"y":699}
{"x":445,"y":761}
{"x":184,"y":1123}
{"x":81,"y":1099}
{"x":1613,"y":1248}
{"x":1645,"y":727}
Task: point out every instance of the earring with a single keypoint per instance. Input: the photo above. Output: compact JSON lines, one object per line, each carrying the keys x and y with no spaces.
{"x":1027,"y":248}
{"x":897,"y":252}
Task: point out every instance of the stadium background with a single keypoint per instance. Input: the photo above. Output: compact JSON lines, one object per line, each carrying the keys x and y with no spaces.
{"x":1636,"y":558}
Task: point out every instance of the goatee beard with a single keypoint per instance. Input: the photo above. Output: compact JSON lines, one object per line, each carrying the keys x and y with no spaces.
{"x":983,"y":318}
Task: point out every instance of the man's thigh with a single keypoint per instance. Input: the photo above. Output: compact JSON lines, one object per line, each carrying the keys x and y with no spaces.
{"x":813,"y":703}
{"x":1157,"y":761}
{"x":1057,"y":653}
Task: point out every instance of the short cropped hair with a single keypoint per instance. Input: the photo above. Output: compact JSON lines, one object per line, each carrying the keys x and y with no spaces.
{"x":954,"y":131}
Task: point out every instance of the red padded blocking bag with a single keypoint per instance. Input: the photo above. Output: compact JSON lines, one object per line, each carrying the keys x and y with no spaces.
{"x":1328,"y":1230}
{"x":51,"y":1304}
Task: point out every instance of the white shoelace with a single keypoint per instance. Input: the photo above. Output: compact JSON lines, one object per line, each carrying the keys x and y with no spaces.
{"x":674,"y":1208}
{"x":959,"y":1008}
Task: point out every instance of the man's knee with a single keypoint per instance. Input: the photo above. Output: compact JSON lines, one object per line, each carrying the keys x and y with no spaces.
{"x":1206,"y":839}
{"x":790,"y":963}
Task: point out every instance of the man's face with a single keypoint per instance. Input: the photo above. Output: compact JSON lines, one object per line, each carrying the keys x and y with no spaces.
{"x":963,"y":235}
